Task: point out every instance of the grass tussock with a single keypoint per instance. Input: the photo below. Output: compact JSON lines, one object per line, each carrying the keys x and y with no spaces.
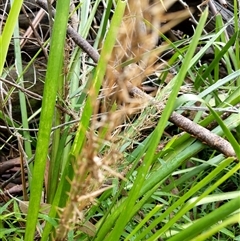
{"x":114,"y":164}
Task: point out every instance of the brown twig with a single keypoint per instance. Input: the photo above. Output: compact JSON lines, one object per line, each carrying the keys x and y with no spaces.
{"x":29,"y":31}
{"x":24,"y":90}
{"x":81,"y":42}
{"x":202,"y":134}
{"x":35,"y":33}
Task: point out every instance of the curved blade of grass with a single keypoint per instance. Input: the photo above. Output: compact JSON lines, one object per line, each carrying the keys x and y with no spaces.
{"x":140,"y":225}
{"x":215,"y":198}
{"x":188,"y":175}
{"x":5,"y":38}
{"x":134,"y":193}
{"x":220,"y":225}
{"x":217,"y":58}
{"x":236,"y":26}
{"x":219,"y":83}
{"x":54,"y":70}
{"x":208,"y":220}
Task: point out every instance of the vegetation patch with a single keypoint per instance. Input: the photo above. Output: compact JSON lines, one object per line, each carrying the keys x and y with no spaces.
{"x":119,"y":120}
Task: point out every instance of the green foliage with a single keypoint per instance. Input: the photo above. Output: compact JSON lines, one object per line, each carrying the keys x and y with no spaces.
{"x":6,"y":35}
{"x":54,"y":71}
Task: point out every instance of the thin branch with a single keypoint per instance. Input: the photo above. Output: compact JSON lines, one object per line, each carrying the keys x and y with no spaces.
{"x":29,"y":31}
{"x":81,"y":42}
{"x":26,"y":91}
{"x":24,"y":40}
{"x":202,"y":134}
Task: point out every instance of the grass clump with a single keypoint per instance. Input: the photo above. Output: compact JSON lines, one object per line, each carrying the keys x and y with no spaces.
{"x":113,"y":164}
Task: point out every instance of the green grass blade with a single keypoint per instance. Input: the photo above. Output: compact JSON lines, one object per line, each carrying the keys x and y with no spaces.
{"x":54,"y":70}
{"x":236,"y":26}
{"x":220,"y":225}
{"x":57,"y":167}
{"x":219,"y":83}
{"x":217,"y":58}
{"x":97,"y":78}
{"x":172,"y":162}
{"x":190,"y":174}
{"x":139,"y":226}
{"x":5,"y":38}
{"x":208,"y":220}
